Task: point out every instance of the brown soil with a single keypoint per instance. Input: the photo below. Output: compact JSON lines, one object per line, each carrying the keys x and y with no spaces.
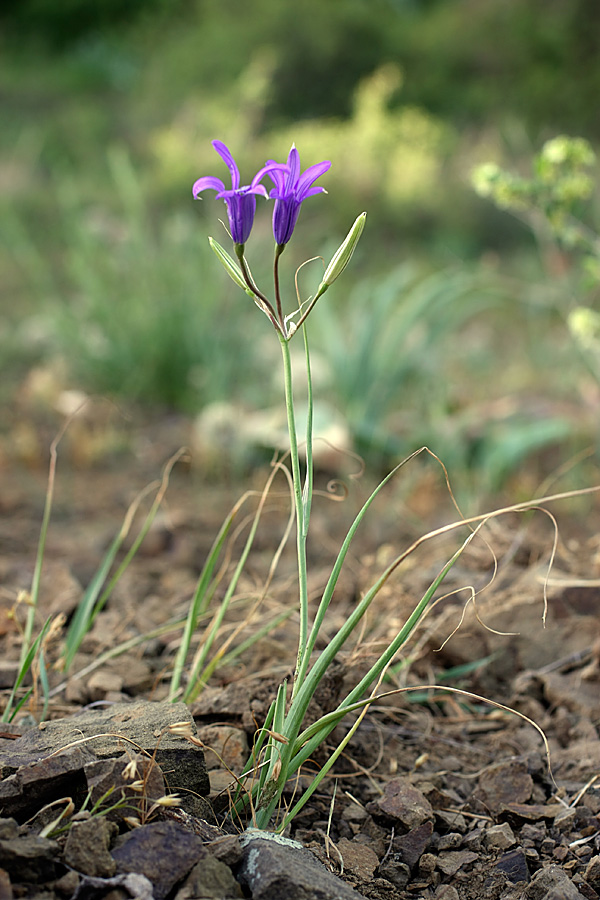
{"x":438,"y":794}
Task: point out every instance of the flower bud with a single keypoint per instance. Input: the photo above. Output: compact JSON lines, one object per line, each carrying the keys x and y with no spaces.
{"x":229,"y":265}
{"x":342,"y":256}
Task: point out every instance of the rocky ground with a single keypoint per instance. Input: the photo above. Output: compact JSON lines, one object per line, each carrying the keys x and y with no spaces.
{"x":439,"y":796}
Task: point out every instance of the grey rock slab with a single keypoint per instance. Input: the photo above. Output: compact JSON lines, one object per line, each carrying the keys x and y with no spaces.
{"x":273,"y":869}
{"x":40,"y":782}
{"x":165,"y":852}
{"x":49,"y":760}
{"x":106,"y":731}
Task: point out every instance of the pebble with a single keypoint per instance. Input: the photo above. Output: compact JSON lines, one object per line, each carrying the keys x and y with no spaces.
{"x":499,"y":837}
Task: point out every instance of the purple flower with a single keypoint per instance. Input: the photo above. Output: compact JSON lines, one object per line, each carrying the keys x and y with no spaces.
{"x":240,"y":201}
{"x":291,"y":188}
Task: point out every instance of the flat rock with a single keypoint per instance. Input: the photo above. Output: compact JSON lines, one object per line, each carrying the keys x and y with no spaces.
{"x":48,"y":762}
{"x":275,"y":870}
{"x":165,"y":852}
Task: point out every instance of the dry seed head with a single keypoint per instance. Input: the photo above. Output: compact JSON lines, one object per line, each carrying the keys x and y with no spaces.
{"x":169,"y":800}
{"x":182,"y":729}
{"x":130,"y":770}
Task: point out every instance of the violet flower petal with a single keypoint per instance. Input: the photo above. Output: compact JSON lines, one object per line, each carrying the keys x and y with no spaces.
{"x":291,"y":188}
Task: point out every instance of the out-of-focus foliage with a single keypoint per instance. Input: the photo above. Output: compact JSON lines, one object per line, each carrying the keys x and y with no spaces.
{"x":553,"y":200}
{"x":464,"y":60}
{"x":561,"y":182}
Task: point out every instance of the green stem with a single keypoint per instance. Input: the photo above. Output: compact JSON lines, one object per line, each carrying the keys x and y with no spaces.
{"x":301,"y":518}
{"x":262,"y":301}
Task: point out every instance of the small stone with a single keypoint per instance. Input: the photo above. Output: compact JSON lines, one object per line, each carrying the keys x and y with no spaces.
{"x":565,"y":819}
{"x":103,"y":682}
{"x":225,"y":746}
{"x":446,"y":892}
{"x":506,"y":783}
{"x":210,"y":879}
{"x":547,"y":846}
{"x":227,"y":848}
{"x":395,"y":871}
{"x":404,"y":802}
{"x":472,"y":840}
{"x":67,"y":885}
{"x":514,"y":866}
{"x":499,"y":837}
{"x":449,"y":862}
{"x":534,"y":833}
{"x":360,"y":860}
{"x":427,"y":864}
{"x":592,"y":872}
{"x":551,"y":883}
{"x":164,"y":852}
{"x":450,"y":841}
{"x":411,"y":846}
{"x":87,"y":847}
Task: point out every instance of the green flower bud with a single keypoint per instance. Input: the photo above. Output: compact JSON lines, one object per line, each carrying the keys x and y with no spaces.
{"x":342,"y":256}
{"x":230,"y":266}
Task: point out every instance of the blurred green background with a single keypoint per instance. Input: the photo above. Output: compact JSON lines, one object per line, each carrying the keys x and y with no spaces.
{"x":448,"y":329}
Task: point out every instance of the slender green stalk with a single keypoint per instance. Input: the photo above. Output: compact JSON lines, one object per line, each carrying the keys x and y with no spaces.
{"x":39,"y":560}
{"x":301,"y":518}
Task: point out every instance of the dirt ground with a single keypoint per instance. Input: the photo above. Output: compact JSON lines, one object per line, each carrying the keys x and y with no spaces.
{"x":438,"y":795}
